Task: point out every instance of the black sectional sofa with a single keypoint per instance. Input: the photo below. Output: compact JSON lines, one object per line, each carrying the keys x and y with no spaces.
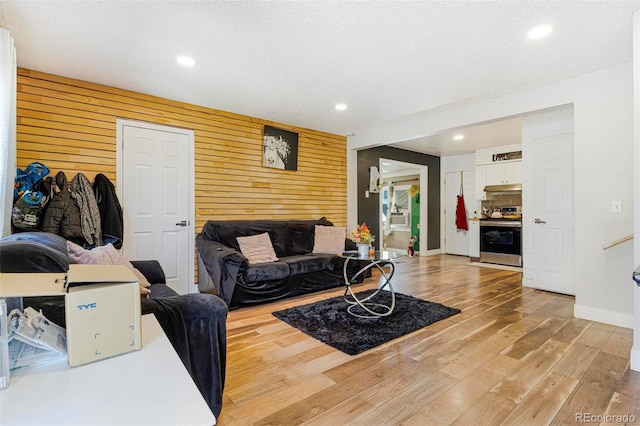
{"x":223,"y":270}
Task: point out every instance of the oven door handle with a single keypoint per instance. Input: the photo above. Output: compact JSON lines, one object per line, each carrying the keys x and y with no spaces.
{"x":499,"y":224}
{"x":537,"y":220}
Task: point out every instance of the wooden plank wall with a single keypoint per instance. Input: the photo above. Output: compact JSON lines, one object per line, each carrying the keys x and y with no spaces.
{"x":70,"y":125}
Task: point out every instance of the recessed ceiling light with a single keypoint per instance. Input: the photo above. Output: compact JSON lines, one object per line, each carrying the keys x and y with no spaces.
{"x":539,"y":32}
{"x":186,"y":61}
{"x":458,"y":137}
{"x":341,"y":107}
{"x":349,"y":134}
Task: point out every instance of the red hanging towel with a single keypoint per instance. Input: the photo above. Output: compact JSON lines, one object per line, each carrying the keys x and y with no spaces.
{"x":461,"y":214}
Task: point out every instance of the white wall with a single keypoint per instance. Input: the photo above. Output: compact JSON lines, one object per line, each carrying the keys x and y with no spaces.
{"x":603,"y":172}
{"x":603,"y":118}
{"x":635,"y":351}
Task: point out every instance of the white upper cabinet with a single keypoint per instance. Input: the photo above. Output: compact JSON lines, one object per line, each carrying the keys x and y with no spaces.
{"x":495,"y":174}
{"x":481,"y":182}
{"x":503,"y":173}
{"x":513,"y":172}
{"x":491,"y":172}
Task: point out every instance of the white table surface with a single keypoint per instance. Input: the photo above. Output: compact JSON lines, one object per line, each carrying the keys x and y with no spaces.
{"x":147,"y":387}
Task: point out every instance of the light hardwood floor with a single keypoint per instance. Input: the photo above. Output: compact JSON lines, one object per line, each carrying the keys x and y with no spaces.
{"x":514,"y":356}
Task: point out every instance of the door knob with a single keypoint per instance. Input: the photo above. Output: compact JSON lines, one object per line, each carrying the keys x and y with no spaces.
{"x":182,"y":223}
{"x":536,"y":220}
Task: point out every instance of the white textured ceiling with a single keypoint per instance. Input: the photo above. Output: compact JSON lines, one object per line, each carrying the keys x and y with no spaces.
{"x":291,"y":62}
{"x":487,"y":135}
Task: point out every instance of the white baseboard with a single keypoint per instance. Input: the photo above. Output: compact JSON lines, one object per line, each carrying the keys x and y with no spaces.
{"x":432,"y":252}
{"x":635,"y":357}
{"x":603,"y":316}
{"x":491,"y":265}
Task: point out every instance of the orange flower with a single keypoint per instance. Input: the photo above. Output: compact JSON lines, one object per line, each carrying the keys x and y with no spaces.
{"x":362,"y":234}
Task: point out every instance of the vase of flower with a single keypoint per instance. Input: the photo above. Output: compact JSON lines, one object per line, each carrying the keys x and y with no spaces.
{"x":364,"y":240}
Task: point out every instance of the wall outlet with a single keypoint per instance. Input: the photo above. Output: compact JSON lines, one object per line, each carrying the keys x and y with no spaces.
{"x":616,"y":207}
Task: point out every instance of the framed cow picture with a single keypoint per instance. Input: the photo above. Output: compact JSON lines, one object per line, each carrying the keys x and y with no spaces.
{"x":279,"y":149}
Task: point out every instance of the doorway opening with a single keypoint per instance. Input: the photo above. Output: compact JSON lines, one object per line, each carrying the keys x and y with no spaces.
{"x":403,"y":207}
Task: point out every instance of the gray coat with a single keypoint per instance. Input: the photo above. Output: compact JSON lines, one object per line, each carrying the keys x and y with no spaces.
{"x":82,"y":194}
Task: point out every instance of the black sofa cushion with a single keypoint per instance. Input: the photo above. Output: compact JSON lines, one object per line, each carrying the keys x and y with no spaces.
{"x":306,"y":263}
{"x":53,"y":241}
{"x":152,"y":271}
{"x":33,"y":252}
{"x":266,"y":271}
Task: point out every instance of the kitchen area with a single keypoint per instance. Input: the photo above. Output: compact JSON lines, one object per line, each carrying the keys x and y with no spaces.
{"x":495,"y":222}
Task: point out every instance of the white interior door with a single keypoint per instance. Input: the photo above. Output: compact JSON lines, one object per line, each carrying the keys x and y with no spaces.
{"x":456,"y":242}
{"x":552,"y":215}
{"x":157,"y":193}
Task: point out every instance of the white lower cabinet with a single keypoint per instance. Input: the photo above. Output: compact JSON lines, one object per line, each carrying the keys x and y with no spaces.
{"x":474,"y":238}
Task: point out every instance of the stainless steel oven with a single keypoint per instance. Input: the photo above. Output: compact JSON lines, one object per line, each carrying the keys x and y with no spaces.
{"x":501,"y":241}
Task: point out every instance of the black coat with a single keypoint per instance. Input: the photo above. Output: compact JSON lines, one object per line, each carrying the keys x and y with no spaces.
{"x":110,"y":210}
{"x":63,"y":216}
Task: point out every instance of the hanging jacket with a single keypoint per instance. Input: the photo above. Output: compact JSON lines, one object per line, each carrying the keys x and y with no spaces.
{"x":110,"y":211}
{"x":62,"y":216}
{"x":82,"y":194}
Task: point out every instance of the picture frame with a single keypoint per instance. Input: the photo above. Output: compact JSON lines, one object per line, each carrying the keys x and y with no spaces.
{"x":279,"y":149}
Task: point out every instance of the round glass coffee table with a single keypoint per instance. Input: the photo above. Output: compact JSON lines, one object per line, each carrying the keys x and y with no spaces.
{"x":371,"y":307}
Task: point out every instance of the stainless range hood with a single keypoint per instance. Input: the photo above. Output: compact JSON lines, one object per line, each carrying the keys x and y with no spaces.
{"x":512,"y":187}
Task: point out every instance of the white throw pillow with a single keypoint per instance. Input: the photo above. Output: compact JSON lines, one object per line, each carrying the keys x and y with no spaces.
{"x":329,"y":239}
{"x":104,"y":255}
{"x":257,"y":248}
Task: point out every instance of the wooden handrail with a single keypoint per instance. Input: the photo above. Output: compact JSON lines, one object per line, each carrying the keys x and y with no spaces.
{"x":618,"y":241}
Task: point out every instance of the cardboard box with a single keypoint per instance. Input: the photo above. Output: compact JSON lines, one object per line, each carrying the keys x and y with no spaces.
{"x":102,"y":307}
{"x":102,"y":311}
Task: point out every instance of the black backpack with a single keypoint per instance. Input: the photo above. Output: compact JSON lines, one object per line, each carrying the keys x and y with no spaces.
{"x":28,"y":211}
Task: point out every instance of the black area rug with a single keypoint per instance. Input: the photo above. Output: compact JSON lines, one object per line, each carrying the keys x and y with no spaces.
{"x":329,"y":322}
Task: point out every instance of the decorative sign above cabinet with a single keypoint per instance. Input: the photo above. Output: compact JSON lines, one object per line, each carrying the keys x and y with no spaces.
{"x":515,"y":155}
